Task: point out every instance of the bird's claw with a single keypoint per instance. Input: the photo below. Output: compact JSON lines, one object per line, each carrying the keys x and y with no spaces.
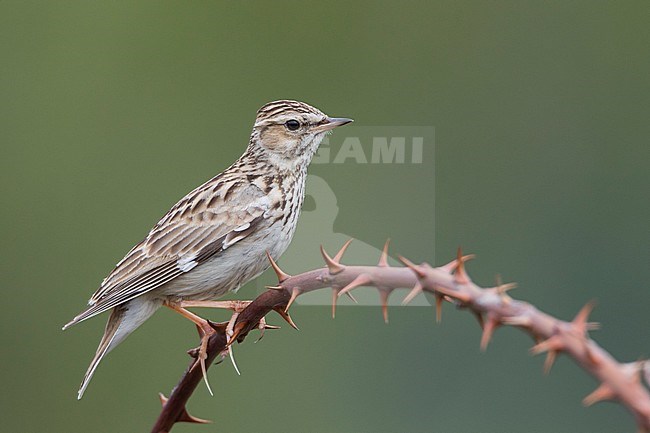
{"x":206,"y":330}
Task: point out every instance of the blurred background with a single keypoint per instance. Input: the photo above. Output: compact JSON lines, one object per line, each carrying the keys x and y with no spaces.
{"x":112,"y":111}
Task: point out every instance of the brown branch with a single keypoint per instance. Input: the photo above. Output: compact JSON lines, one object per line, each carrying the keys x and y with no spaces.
{"x":173,"y":410}
{"x":492,"y":306}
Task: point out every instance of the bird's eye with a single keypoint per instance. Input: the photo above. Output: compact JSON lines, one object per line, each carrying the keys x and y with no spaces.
{"x":292,"y":125}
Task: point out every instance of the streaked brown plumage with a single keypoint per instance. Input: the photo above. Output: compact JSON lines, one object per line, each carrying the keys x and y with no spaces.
{"x":215,"y":238}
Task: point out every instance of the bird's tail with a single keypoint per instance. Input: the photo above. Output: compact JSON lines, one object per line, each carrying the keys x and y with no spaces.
{"x":124,"y":319}
{"x":112,"y":327}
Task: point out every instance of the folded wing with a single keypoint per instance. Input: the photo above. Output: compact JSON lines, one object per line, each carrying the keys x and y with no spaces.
{"x":195,"y":230}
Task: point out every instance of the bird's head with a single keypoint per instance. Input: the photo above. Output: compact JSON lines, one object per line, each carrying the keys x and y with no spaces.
{"x":288,"y":132}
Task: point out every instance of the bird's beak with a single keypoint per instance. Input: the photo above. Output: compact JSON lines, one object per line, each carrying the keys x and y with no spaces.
{"x":331,"y":123}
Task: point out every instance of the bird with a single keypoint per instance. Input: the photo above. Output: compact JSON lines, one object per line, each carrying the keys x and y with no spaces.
{"x":217,"y":237}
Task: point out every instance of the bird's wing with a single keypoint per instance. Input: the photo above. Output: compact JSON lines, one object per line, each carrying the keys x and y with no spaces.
{"x":200,"y":226}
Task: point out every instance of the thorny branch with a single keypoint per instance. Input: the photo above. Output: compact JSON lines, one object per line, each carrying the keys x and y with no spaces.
{"x":492,"y":306}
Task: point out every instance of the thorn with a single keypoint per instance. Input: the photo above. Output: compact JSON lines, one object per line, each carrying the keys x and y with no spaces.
{"x":502,"y":289}
{"x":335,"y":296}
{"x":274,"y":287}
{"x":580,"y":324}
{"x":360,"y":280}
{"x":416,"y":290}
{"x":439,"y":299}
{"x":488,"y":330}
{"x":333,"y":266}
{"x":602,"y":393}
{"x":551,"y":343}
{"x":412,"y":266}
{"x":279,"y":272}
{"x":349,"y":295}
{"x":337,"y":258}
{"x":549,"y":361}
{"x":232,"y":359}
{"x":383,"y":259}
{"x":552,"y":346}
{"x":454,"y":263}
{"x":460,"y":275}
{"x":383,"y":296}
{"x":294,"y":294}
{"x":184,"y":416}
{"x":286,"y":317}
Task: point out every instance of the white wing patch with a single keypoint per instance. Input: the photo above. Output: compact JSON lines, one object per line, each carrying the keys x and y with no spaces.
{"x":242,"y":227}
{"x":236,"y":235}
{"x":187,"y":263}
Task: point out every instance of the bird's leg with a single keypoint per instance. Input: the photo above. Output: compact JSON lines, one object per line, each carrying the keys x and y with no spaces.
{"x":205,"y":331}
{"x":236,"y":306}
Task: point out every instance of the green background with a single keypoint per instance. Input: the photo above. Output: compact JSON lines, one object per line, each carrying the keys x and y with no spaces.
{"x":111,"y":111}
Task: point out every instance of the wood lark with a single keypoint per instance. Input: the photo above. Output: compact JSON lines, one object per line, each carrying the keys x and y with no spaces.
{"x":215,"y":239}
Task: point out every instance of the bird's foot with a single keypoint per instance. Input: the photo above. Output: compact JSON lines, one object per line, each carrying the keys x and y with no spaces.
{"x":206,"y":329}
{"x":232,"y":331}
